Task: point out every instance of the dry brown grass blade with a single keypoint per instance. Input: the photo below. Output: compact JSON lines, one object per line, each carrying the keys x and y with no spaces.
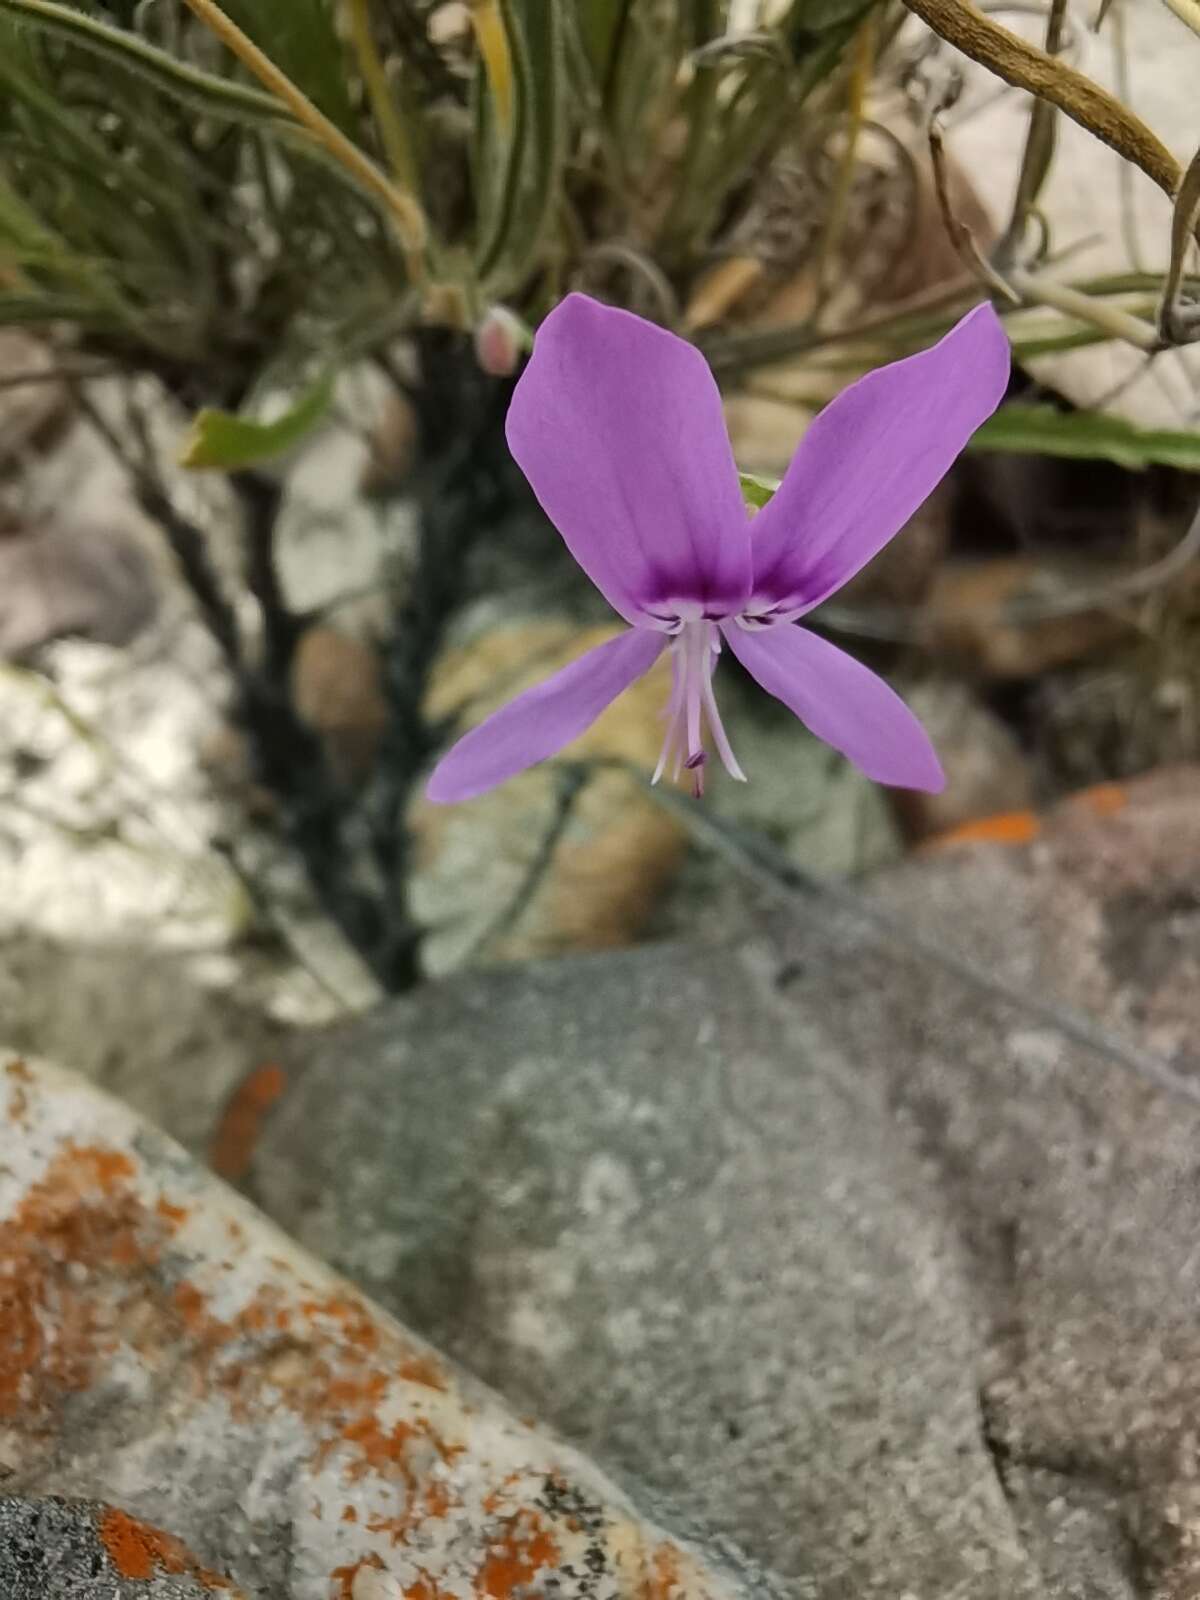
{"x":1028,"y":67}
{"x":1183,"y":228}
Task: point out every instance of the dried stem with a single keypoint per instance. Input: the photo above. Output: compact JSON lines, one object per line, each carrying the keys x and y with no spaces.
{"x":185,"y":539}
{"x":1028,"y":67}
{"x":901,"y":624}
{"x":261,"y":499}
{"x":1172,"y":324}
{"x":961,"y":236}
{"x":572,"y":780}
{"x":1118,"y":324}
{"x":1039,"y":147}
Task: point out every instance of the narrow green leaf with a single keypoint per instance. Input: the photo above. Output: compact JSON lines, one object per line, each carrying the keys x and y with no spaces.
{"x":599,"y":23}
{"x":527,"y":185}
{"x":203,"y":90}
{"x":301,"y":37}
{"x":757,"y":491}
{"x":1086,"y":436}
{"x":218,"y":439}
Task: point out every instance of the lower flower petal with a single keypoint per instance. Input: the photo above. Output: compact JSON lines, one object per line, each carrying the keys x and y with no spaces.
{"x":538,"y":723}
{"x":841,"y":701}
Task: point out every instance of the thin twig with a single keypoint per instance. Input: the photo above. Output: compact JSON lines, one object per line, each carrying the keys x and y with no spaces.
{"x":186,"y":541}
{"x":1172,"y":324}
{"x":760,"y":862}
{"x":961,"y":236}
{"x":262,"y":499}
{"x":63,"y":373}
{"x":1025,"y":288}
{"x":1112,"y":320}
{"x":572,"y":780}
{"x":1039,"y":148}
{"x":900,"y":624}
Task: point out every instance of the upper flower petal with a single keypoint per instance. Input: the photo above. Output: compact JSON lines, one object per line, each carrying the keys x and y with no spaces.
{"x":841,"y":701}
{"x":872,"y":456}
{"x":541,"y":721}
{"x":617,"y":424}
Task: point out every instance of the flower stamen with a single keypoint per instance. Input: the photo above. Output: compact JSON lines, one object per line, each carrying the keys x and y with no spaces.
{"x":694,"y":650}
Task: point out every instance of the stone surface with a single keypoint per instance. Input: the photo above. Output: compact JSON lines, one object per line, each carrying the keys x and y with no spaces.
{"x":32,"y":415}
{"x":58,"y":580}
{"x":968,"y":620}
{"x":140,"y":1024}
{"x":873,"y":1274}
{"x":109,"y":822}
{"x":986,"y":769}
{"x":55,"y":1549}
{"x":337,"y":688}
{"x":238,"y":1414}
{"x":477,"y":883}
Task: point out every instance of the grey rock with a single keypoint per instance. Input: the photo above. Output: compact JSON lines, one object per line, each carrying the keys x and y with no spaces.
{"x":173,"y":1360}
{"x":136,"y":1023}
{"x":32,"y":415}
{"x":55,"y":1549}
{"x":89,"y":581}
{"x":868,"y":1274}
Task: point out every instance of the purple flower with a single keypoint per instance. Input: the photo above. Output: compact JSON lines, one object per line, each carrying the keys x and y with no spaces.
{"x":617,"y":424}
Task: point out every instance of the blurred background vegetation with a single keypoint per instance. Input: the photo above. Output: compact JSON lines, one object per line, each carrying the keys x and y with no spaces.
{"x":199,"y":234}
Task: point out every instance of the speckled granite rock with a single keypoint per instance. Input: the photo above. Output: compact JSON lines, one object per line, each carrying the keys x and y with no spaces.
{"x":52,"y":1548}
{"x":830,"y":1253}
{"x":171,"y":1360}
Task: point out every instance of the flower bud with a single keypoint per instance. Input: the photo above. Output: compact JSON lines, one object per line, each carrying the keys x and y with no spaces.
{"x":500,"y":338}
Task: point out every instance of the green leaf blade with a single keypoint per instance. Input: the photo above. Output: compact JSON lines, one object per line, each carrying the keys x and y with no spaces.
{"x":1087,"y":436}
{"x":220,"y":441}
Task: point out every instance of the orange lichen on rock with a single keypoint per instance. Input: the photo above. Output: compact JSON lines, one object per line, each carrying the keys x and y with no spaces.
{"x":423,"y":1370}
{"x":516,"y":1559}
{"x":241,"y":1126}
{"x":1103,"y":799}
{"x":1006,"y":827}
{"x":93,"y":1272}
{"x":344,"y":1577}
{"x":425,"y":1589}
{"x":94,"y":1168}
{"x":176,"y":1216}
{"x":18,"y":1099}
{"x":79,"y":1216}
{"x":663,"y":1580}
{"x":137,"y":1550}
